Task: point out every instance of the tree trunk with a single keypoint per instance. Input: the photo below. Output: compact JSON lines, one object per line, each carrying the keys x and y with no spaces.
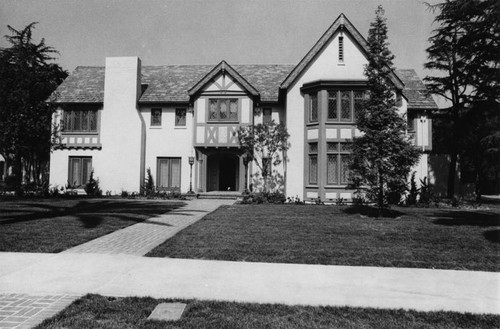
{"x":17,"y":171}
{"x":380,"y":196}
{"x":452,"y":170}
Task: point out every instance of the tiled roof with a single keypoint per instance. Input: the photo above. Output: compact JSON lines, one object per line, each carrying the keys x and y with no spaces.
{"x":415,"y":90}
{"x":84,"y":85}
{"x":169,"y":83}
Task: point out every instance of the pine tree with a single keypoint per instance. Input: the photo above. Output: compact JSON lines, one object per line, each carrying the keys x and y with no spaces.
{"x":383,"y":156}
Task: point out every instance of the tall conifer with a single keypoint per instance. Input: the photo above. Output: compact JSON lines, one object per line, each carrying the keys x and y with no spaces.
{"x":384,"y":155}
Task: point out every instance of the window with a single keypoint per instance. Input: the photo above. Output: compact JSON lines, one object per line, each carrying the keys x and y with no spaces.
{"x":223,"y":109}
{"x":267,"y":113}
{"x":180,"y":117}
{"x":332,"y":165}
{"x":341,"y":48}
{"x":332,"y":105}
{"x":79,"y":171}
{"x":358,"y":102}
{"x":337,"y":165}
{"x":168,"y":174}
{"x":80,"y":121}
{"x":411,"y":118}
{"x":344,"y":104}
{"x":313,"y":163}
{"x":313,"y":108}
{"x":155,"y":117}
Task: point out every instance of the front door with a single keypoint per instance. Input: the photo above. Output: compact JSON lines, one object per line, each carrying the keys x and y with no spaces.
{"x":223,"y":172}
{"x":213,"y":173}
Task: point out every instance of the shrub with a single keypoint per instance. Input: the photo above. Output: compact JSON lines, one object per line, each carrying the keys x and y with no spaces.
{"x":340,"y":202}
{"x":264,"y":197}
{"x":425,"y":192}
{"x":92,"y":187}
{"x":149,"y":186}
{"x":411,"y":198}
{"x":294,"y":200}
{"x":318,"y":201}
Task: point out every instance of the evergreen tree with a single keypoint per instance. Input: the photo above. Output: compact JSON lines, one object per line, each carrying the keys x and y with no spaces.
{"x":27,"y":79}
{"x":383,"y":156}
{"x":464,"y":49}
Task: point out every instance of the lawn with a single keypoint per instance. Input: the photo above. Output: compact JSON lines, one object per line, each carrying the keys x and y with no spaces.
{"x":53,"y":225}
{"x":312,"y":234}
{"x":94,"y":311}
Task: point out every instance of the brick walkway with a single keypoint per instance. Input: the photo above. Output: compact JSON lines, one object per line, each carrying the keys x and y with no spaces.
{"x":21,"y":311}
{"x":26,"y":311}
{"x":141,"y":238}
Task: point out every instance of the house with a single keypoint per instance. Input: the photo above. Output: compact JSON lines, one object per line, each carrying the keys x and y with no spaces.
{"x":181,"y":121}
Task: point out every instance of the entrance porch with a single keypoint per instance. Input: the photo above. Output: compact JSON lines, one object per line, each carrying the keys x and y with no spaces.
{"x":220,"y":169}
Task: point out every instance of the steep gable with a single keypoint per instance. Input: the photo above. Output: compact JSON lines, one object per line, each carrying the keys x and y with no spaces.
{"x":340,"y":25}
{"x":219,"y":71}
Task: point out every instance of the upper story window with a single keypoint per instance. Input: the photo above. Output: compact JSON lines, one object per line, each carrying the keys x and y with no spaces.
{"x":313,"y":107}
{"x":80,"y":121}
{"x":180,"y":117}
{"x":344,"y":104}
{"x":223,"y":109}
{"x":156,"y":117}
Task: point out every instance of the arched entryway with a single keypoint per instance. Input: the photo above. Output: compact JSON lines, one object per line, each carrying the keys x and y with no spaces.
{"x":223,"y":172}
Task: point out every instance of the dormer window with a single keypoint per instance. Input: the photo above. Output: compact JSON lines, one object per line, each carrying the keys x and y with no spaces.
{"x":341,"y":48}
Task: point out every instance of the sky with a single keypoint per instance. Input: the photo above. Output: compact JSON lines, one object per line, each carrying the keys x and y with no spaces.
{"x":208,"y":31}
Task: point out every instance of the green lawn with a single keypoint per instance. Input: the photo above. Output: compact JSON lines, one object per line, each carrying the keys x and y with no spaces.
{"x":53,"y":225}
{"x":94,"y":311}
{"x":413,"y":237}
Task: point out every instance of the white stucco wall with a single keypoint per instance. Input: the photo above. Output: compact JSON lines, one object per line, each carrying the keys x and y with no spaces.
{"x":169,"y":140}
{"x":59,"y":166}
{"x":325,"y":66}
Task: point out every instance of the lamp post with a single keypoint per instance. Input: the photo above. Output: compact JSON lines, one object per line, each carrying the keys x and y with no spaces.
{"x":191,"y":162}
{"x":246,"y":159}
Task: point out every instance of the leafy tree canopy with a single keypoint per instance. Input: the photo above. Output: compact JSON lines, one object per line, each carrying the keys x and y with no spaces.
{"x":27,"y":79}
{"x":265,"y":144}
{"x":464,"y":54}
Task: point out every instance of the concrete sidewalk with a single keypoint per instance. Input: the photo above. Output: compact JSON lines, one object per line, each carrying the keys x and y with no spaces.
{"x":293,"y":284}
{"x":25,"y":310}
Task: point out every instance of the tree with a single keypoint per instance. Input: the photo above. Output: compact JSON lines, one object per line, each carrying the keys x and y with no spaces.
{"x":27,"y":79}
{"x":383,"y":156}
{"x":464,"y":50}
{"x":266,"y":145}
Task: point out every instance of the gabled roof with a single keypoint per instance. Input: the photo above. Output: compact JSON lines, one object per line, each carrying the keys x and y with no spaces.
{"x":341,"y":23}
{"x":170,"y":83}
{"x":222,"y":67}
{"x":415,"y":91}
